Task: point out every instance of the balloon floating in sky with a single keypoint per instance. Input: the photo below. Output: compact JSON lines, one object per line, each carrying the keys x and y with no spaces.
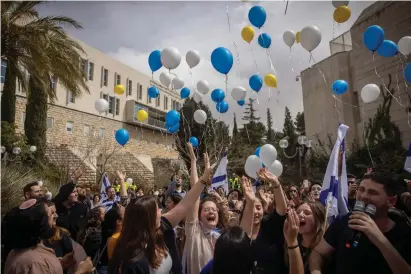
{"x":170,"y":58}
{"x":407,"y":72}
{"x":257,"y":151}
{"x":339,"y":87}
{"x":193,"y":58}
{"x":297,"y":37}
{"x":119,"y":89}
{"x":217,"y":95}
{"x":203,"y":86}
{"x":264,"y":40}
{"x":101,"y":105}
{"x":177,"y":83}
{"x":289,"y":38}
{"x":373,"y":37}
{"x":342,"y":14}
{"x":165,"y":79}
{"x":194,"y":141}
{"x":122,"y":136}
{"x":184,"y":93}
{"x":222,"y":107}
{"x":387,"y":49}
{"x":200,"y":116}
{"x":153,"y":92}
{"x":404,"y":45}
{"x":142,"y":115}
{"x":154,"y":60}
{"x":172,"y":117}
{"x":173,"y":129}
{"x":241,"y":102}
{"x":310,"y":38}
{"x":247,"y":34}
{"x":370,"y":93}
{"x":270,"y":80}
{"x":238,"y":93}
{"x":257,"y":16}
{"x":222,"y":60}
{"x":255,"y":82}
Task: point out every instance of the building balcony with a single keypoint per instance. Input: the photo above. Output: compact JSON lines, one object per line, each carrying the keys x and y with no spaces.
{"x":156,"y":118}
{"x":341,"y":43}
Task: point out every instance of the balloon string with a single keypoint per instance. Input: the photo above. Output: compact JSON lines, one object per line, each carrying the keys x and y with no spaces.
{"x":229,"y":29}
{"x":226,"y":84}
{"x":364,"y":136}
{"x":333,"y":29}
{"x":291,"y":61}
{"x":269,"y":94}
{"x":286,"y":7}
{"x":255,"y":60}
{"x":271,"y":62}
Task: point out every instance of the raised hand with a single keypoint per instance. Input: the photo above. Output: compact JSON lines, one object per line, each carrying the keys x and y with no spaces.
{"x":121,"y":176}
{"x":268,"y":177}
{"x":207,"y":168}
{"x":77,"y":174}
{"x":291,"y":227}
{"x":248,"y":191}
{"x":191,"y":152}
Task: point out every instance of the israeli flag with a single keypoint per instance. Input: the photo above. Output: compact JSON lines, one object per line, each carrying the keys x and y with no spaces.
{"x":407,"y":165}
{"x":105,"y":183}
{"x":334,"y":192}
{"x":220,"y":176}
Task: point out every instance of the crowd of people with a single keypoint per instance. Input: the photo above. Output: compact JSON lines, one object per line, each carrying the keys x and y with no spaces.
{"x":269,"y":229}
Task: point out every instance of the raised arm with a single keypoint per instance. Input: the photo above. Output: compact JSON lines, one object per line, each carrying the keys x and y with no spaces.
{"x":247,"y":220}
{"x":189,"y":204}
{"x":280,"y":203}
{"x":291,"y":227}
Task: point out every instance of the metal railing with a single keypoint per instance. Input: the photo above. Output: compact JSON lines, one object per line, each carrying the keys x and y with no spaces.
{"x":156,"y":123}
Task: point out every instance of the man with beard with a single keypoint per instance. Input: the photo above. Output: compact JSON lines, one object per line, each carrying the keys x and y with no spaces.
{"x":111,"y":198}
{"x":176,"y":187}
{"x":384,"y":247}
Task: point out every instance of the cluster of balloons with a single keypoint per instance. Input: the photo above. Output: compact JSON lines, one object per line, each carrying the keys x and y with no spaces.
{"x":256,"y":82}
{"x":404,"y":46}
{"x":239,"y":93}
{"x":264,"y":156}
{"x":373,"y":39}
{"x":342,"y":12}
{"x":257,"y":17}
{"x":122,"y":136}
{"x":101,"y":105}
{"x":173,"y":121}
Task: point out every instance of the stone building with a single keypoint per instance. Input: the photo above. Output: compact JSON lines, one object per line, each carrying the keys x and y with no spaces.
{"x":351,"y":61}
{"x":77,"y":135}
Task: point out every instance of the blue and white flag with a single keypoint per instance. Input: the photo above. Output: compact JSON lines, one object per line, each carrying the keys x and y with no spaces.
{"x":407,"y":165}
{"x":220,"y":175}
{"x":104,"y":184}
{"x":334,"y":192}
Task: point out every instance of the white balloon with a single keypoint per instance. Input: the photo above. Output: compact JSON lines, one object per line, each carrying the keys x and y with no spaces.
{"x":129,"y":181}
{"x":283,"y":143}
{"x":276,"y":168}
{"x":193,"y":58}
{"x":370,"y":93}
{"x":338,"y":4}
{"x":238,"y":93}
{"x":203,"y":86}
{"x":289,"y":38}
{"x":101,"y":105}
{"x":404,"y":45}
{"x":177,"y":83}
{"x":252,"y":166}
{"x":40,"y":183}
{"x":310,"y":38}
{"x":302,"y":140}
{"x":268,"y":154}
{"x":165,"y":79}
{"x":200,"y":116}
{"x":197,"y":97}
{"x":170,"y":58}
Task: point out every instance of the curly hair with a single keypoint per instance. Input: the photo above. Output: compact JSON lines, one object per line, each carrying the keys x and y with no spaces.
{"x":93,"y":221}
{"x":222,"y":213}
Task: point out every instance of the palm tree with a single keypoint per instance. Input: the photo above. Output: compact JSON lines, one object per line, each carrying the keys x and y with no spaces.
{"x":40,"y":46}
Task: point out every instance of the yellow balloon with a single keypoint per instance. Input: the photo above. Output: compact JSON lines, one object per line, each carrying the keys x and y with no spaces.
{"x":297,"y":37}
{"x":270,"y":80}
{"x":119,"y":89}
{"x":142,"y":115}
{"x":248,"y":34}
{"x":342,"y":14}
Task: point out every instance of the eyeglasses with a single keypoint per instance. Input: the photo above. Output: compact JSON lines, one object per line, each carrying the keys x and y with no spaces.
{"x":210,"y":209}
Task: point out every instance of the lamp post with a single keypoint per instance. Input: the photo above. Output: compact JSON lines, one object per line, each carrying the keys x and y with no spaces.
{"x":17,"y":152}
{"x":299,"y":149}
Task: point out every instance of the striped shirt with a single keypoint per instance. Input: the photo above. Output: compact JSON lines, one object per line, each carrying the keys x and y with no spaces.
{"x":108,"y":204}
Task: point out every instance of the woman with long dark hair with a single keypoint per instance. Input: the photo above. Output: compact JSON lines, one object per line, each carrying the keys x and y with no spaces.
{"x":147,"y":240}
{"x":90,"y":235}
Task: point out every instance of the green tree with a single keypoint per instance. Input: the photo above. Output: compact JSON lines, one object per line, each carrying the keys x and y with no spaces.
{"x":300,"y":123}
{"x":213,"y":136}
{"x":270,"y":132}
{"x":253,"y":131}
{"x":235,"y":129}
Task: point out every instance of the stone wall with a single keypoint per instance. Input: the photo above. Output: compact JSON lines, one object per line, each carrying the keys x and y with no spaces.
{"x":165,"y":168}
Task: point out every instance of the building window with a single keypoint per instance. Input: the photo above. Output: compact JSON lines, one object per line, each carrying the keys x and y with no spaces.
{"x":111,"y":104}
{"x":118,"y":79}
{"x":139,"y":92}
{"x":50,"y":122}
{"x":117,"y":106}
{"x":53,"y":82}
{"x":86,"y":130}
{"x":130,"y":88}
{"x":3,"y":70}
{"x":105,"y":97}
{"x":70,"y":97}
{"x":158,"y":101}
{"x":84,"y":66}
{"x":165,"y":102}
{"x":69,"y":127}
{"x":101,"y":132}
{"x":148,"y":98}
{"x":105,"y":77}
{"x":90,"y":71}
{"x":23,"y":117}
{"x":178,"y":105}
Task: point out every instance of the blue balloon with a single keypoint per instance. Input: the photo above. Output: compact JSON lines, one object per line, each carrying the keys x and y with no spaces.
{"x":257,"y":16}
{"x":172,"y":118}
{"x":184,"y":93}
{"x":222,"y":60}
{"x":255,"y":82}
{"x":241,"y":102}
{"x":257,"y":151}
{"x":407,"y":72}
{"x":387,"y":49}
{"x":153,"y":92}
{"x":340,"y":87}
{"x":122,"y":136}
{"x":154,"y":60}
{"x":373,"y":37}
{"x":174,"y":129}
{"x":264,"y":40}
{"x":222,"y":107}
{"x":194,"y":141}
{"x":217,"y":95}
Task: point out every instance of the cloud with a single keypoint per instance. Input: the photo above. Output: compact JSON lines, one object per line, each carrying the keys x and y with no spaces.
{"x":129,"y":31}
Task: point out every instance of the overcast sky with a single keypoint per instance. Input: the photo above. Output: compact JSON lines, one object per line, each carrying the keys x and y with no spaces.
{"x":129,"y":31}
